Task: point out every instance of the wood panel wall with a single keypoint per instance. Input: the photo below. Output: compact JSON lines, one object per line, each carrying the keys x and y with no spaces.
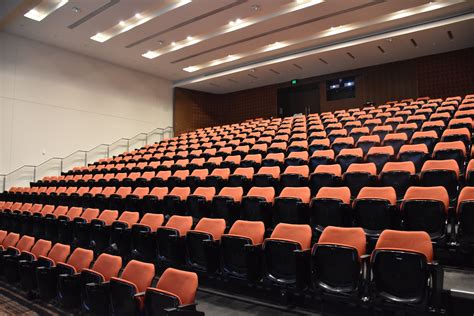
{"x":438,"y":75}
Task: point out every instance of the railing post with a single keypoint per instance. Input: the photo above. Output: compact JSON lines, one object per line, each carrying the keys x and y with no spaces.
{"x":128,"y":145}
{"x":85,"y":159}
{"x":108,"y":152}
{"x":61,"y":167}
{"x":34,"y":174}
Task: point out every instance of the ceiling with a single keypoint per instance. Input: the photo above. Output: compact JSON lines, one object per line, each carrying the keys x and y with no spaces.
{"x":222,"y":46}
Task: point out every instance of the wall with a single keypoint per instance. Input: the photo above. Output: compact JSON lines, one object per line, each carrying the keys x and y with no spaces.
{"x":54,"y":102}
{"x":439,"y":75}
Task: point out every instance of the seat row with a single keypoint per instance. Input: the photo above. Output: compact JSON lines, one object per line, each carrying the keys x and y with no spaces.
{"x":75,"y":279}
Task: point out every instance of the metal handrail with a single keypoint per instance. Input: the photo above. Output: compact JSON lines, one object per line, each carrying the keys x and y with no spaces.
{"x":157,"y":131}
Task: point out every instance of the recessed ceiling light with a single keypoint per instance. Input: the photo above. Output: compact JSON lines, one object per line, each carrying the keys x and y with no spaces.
{"x":122,"y":23}
{"x":44,"y":8}
{"x":160,"y":42}
{"x":189,"y":38}
{"x":76,"y":10}
{"x":173,"y":43}
{"x":138,"y":16}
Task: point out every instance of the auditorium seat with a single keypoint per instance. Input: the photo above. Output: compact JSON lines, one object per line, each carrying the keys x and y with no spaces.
{"x":451,"y":150}
{"x":338,"y":262}
{"x":199,"y":202}
{"x":174,"y":203}
{"x":417,"y":280}
{"x":227,"y":204}
{"x":291,"y":206}
{"x":257,"y":205}
{"x":135,"y":278}
{"x":202,"y":244}
{"x":218,"y":178}
{"x":119,"y":241}
{"x":287,"y":257}
{"x":242,"y":177}
{"x":171,"y":239}
{"x":175,"y":292}
{"x":416,"y":153}
{"x":399,"y":175}
{"x":330,"y":207}
{"x":441,"y":173}
{"x":153,"y":202}
{"x":425,"y":209}
{"x":99,"y":230}
{"x":240,"y":250}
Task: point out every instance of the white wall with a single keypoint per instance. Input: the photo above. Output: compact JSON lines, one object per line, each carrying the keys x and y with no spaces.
{"x":54,"y":102}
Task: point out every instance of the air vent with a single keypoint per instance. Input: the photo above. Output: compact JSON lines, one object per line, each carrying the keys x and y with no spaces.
{"x":381,"y":49}
{"x":252,"y":76}
{"x":414,"y":42}
{"x":450,"y":35}
{"x":232,"y":80}
{"x":274,"y":71}
{"x":323,"y":61}
{"x":350,"y":55}
{"x":298,"y":66}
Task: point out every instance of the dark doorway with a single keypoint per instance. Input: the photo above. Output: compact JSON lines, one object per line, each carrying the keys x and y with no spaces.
{"x":298,"y":99}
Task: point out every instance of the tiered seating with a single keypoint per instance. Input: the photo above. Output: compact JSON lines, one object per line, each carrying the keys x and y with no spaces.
{"x":283,"y":201}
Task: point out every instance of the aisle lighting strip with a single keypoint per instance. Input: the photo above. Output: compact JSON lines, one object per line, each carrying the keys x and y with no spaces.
{"x":137,"y":20}
{"x":329,"y":32}
{"x":233,"y":25}
{"x":44,"y":8}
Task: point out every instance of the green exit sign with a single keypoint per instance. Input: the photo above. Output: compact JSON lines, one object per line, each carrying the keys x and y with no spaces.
{"x":294,"y":81}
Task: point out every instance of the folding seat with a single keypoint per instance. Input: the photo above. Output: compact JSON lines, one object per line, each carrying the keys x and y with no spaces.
{"x":394,"y":122}
{"x":170,"y":296}
{"x":143,"y":237}
{"x":196,"y":178}
{"x":264,"y":140}
{"x":356,"y":133}
{"x":325,"y":176}
{"x":199,"y":203}
{"x":267,"y":176}
{"x":242,"y":177}
{"x":257,"y":205}
{"x":428,"y":138}
{"x":375,"y":210}
{"x":165,"y":165}
{"x":202,"y":244}
{"x":457,"y":134}
{"x":462,"y":123}
{"x":227,"y":204}
{"x":29,"y":266}
{"x":135,"y":278}
{"x":425,"y":209}
{"x":337,"y":262}
{"x":404,"y":114}
{"x":371,"y":124}
{"x":218,"y":178}
{"x":120,"y":234}
{"x":464,"y":113}
{"x":359,"y":175}
{"x":441,"y":173}
{"x":416,"y":119}
{"x":367,"y":142}
{"x":437,"y":126}
{"x":319,"y":144}
{"x":99,"y":230}
{"x":116,"y":201}
{"x":183,"y":154}
{"x":381,"y":131}
{"x":49,"y":223}
{"x":196,"y":163}
{"x":153,"y":201}
{"x":12,"y":246}
{"x":349,"y":156}
{"x":241,"y":151}
{"x":152,"y":166}
{"x":330,"y":207}
{"x":321,"y":157}
{"x":291,"y":206}
{"x":417,"y":154}
{"x":160,"y":179}
{"x":316,"y":135}
{"x":337,"y":133}
{"x":178,"y":179}
{"x":286,"y":256}
{"x":409,"y":129}
{"x":231,"y":162}
{"x":295,"y":176}
{"x":278,"y":146}
{"x":298,"y":136}
{"x":174,"y":203}
{"x":333,"y":126}
{"x":47,"y":276}
{"x":213,"y":163}
{"x":342,"y":143}
{"x":411,"y":254}
{"x":252,"y":160}
{"x":396,"y":140}
{"x":299,"y":145}
{"x":240,"y":250}
{"x":36,"y":225}
{"x":208,"y":153}
{"x":451,"y":150}
{"x":171,"y":240}
{"x":399,"y":175}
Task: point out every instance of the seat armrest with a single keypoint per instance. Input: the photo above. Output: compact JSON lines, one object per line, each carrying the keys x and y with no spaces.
{"x":139,"y":295}
{"x":303,"y":266}
{"x":437,"y":275}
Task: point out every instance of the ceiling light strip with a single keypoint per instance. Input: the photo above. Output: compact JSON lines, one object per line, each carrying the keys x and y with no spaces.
{"x":137,"y":20}
{"x":323,"y":49}
{"x":233,"y":25}
{"x":44,"y":9}
{"x":330,"y":32}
